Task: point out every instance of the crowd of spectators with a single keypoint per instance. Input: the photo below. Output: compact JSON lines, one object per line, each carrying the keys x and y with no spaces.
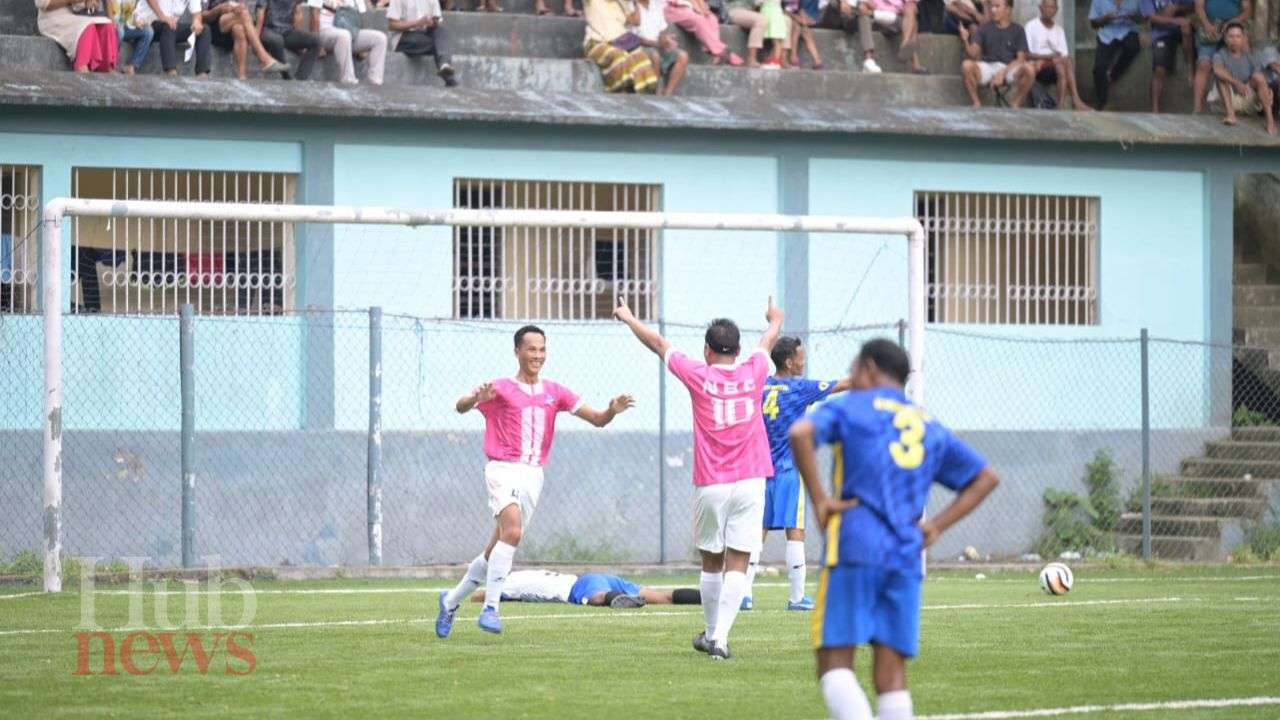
{"x":633,"y":42}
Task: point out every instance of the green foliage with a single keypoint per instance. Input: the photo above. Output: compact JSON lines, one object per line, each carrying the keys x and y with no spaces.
{"x":1104,"y":490}
{"x":1070,"y":523}
{"x":565,"y":548}
{"x":25,"y":564}
{"x":1244,"y":417}
{"x":1263,"y":539}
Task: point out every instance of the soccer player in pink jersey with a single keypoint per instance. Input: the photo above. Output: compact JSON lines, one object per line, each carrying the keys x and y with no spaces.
{"x":731,"y":459}
{"x":519,"y":423}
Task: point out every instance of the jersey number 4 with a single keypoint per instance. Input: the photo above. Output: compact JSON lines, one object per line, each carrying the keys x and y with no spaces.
{"x":908,"y":451}
{"x":770,"y":407}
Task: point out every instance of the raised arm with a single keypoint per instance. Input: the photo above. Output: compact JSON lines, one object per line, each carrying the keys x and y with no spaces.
{"x":774,"y":315}
{"x":600,"y":418}
{"x":969,"y":498}
{"x":475,"y":397}
{"x":649,"y":337}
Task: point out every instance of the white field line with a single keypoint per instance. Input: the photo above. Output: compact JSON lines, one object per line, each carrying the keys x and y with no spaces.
{"x":1206,"y":578}
{"x":15,"y":596}
{"x":600,"y":614}
{"x":1125,"y":707}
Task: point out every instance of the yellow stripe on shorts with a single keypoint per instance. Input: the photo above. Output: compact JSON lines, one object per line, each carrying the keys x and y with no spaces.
{"x":833,"y":523}
{"x":819,"y":609}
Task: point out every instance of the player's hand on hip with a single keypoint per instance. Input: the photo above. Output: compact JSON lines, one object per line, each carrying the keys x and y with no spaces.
{"x":930,"y":532}
{"x":486,"y":392}
{"x":621,"y":403}
{"x":830,"y":507}
{"x":774,"y":313}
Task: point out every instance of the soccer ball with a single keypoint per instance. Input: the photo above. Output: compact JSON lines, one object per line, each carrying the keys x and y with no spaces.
{"x":1056,"y":579}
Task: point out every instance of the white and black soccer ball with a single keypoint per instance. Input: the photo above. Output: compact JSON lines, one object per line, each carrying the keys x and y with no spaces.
{"x":1056,"y":579}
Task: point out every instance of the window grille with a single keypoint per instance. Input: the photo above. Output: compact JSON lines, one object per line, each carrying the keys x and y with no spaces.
{"x":19,"y":232}
{"x":1013,"y":259}
{"x":145,"y":266}
{"x":553,"y":273}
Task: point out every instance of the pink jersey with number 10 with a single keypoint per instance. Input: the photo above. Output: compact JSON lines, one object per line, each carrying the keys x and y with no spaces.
{"x":729,"y":441}
{"x":520,"y":420}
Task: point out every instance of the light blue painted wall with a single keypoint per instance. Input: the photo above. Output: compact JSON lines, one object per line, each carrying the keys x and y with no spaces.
{"x":410,"y":271}
{"x":1152,"y":255}
{"x":123,"y":373}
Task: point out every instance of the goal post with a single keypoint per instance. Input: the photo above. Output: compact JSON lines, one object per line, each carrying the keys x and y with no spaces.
{"x":51,"y":275}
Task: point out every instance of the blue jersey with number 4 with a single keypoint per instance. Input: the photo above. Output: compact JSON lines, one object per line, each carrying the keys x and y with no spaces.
{"x":785,"y":401}
{"x":888,"y":453}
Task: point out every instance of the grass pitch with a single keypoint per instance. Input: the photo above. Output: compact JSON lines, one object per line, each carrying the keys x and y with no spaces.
{"x":367,"y":649}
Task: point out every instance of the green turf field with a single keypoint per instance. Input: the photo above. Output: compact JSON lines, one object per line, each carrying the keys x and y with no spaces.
{"x":997,"y":644}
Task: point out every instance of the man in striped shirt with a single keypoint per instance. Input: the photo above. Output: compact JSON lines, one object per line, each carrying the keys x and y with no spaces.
{"x":519,"y":424}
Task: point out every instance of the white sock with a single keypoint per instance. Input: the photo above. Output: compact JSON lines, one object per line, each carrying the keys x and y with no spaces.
{"x":499,"y":567}
{"x":795,"y":568}
{"x":895,"y":705}
{"x":710,"y":586}
{"x":752,"y":565}
{"x":472,"y":580}
{"x":735,"y":585}
{"x":845,"y":699}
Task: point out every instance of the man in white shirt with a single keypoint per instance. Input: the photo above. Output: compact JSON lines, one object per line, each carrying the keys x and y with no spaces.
{"x":165,"y":17}
{"x":417,"y":29}
{"x":1048,"y":53}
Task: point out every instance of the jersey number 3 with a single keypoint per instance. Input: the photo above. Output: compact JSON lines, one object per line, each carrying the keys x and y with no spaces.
{"x":908,"y":451}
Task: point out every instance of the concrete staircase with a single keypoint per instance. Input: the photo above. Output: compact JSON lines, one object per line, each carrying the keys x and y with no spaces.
{"x":1257,"y":329}
{"x":517,"y":50}
{"x":1199,"y":514}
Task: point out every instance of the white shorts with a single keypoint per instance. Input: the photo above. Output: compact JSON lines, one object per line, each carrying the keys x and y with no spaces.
{"x":513,"y":483}
{"x":989,"y":71}
{"x":729,"y":515}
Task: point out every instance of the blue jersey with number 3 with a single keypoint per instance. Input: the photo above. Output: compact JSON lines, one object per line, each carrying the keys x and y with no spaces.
{"x":888,"y":453}
{"x":785,"y":401}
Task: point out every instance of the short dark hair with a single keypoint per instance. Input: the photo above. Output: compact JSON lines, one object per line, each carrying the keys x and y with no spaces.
{"x":784,"y":350}
{"x":888,"y":356}
{"x":1234,"y":24}
{"x":525,"y":331}
{"x":723,"y":336}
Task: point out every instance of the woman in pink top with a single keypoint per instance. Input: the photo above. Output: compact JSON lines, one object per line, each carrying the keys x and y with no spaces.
{"x":731,"y":459}
{"x":695,"y":17}
{"x":519,"y":424}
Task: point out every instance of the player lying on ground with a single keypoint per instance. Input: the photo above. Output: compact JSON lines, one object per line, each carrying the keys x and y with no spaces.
{"x":887,"y":455}
{"x":598,"y":589}
{"x":730,"y":460}
{"x":787,"y":394}
{"x":519,"y":423}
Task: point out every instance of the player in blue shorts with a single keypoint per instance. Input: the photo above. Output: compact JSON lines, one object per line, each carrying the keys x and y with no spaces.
{"x":888,"y":453}
{"x":787,"y":395}
{"x":589,"y":589}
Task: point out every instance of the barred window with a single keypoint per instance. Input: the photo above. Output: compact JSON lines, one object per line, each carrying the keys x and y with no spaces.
{"x":1012,"y":259}
{"x":553,"y":273}
{"x":19,"y":231}
{"x":144,"y":265}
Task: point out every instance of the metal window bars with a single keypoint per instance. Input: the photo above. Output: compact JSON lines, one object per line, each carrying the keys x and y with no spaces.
{"x":1010,"y":259}
{"x":19,"y":249}
{"x":561,"y":273}
{"x":137,"y":266}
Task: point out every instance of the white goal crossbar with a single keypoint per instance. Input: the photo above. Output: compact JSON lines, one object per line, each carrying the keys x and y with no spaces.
{"x":52,"y":301}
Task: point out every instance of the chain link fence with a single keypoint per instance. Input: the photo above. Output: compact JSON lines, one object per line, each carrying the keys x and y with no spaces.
{"x":281,"y":449}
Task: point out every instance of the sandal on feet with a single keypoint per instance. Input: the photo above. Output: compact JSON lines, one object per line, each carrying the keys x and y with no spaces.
{"x":921,"y":71}
{"x":275,"y":66}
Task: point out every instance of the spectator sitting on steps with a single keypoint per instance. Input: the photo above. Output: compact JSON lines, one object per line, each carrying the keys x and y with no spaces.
{"x":417,"y":29}
{"x":659,"y":44}
{"x":84,"y":31}
{"x":1047,"y":49}
{"x":345,"y":45}
{"x":1213,"y":16}
{"x":997,"y":56}
{"x":170,"y":29}
{"x":281,"y":26}
{"x":1171,"y":28}
{"x":851,"y":17}
{"x":129,"y":30}
{"x":1242,"y":87}
{"x":697,"y":19}
{"x":1117,"y":24}
{"x":894,"y":17}
{"x":232,"y":28}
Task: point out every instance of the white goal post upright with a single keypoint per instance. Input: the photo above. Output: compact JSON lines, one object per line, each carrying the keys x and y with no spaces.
{"x":52,"y":300}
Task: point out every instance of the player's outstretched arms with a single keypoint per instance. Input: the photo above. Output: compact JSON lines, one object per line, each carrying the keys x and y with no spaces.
{"x":774,"y":316}
{"x":843,"y":384}
{"x":969,"y":498}
{"x":651,"y":338}
{"x":475,"y":397}
{"x":600,"y":418}
{"x":804,"y":450}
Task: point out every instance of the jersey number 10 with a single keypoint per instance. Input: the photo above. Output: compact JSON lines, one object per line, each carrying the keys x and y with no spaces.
{"x":734,"y":411}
